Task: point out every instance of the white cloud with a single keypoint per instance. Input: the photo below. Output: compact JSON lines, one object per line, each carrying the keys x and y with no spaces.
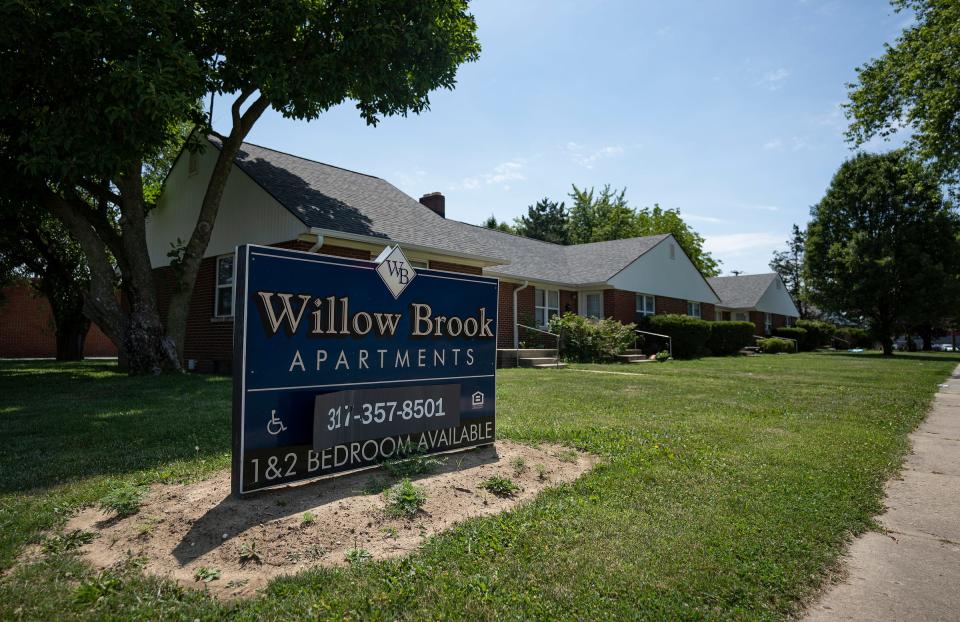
{"x":586,"y":157}
{"x":701,"y":218}
{"x":797,"y":143}
{"x":511,"y":170}
{"x":773,"y":79}
{"x":734,"y":244}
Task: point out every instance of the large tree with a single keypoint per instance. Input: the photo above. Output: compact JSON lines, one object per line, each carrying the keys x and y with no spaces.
{"x":94,"y":90}
{"x":913,"y":86}
{"x":789,"y":265}
{"x":882,"y":245}
{"x":598,"y":217}
{"x":35,"y":248}
{"x":545,"y":220}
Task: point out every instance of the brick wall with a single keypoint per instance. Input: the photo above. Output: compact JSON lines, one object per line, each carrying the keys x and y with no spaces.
{"x":27,"y":329}
{"x":619,"y":304}
{"x":455,"y":267}
{"x":757,"y":318}
{"x":666,"y":305}
{"x":505,"y":315}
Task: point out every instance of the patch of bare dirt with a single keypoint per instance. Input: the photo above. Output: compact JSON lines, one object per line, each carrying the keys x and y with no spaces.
{"x":181,"y":528}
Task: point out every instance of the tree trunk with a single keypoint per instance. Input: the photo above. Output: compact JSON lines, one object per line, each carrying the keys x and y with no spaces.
{"x":189,"y":267}
{"x":887,"y":344}
{"x":926,"y":333}
{"x":71,"y":335}
{"x":136,"y":330}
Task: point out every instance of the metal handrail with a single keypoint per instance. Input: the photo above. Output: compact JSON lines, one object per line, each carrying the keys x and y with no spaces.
{"x":667,"y":337}
{"x":545,"y":332}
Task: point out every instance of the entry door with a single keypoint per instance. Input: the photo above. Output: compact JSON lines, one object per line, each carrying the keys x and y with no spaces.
{"x":591,"y":304}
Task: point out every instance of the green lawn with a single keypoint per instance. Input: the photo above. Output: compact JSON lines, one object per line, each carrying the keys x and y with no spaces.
{"x":727,"y":490}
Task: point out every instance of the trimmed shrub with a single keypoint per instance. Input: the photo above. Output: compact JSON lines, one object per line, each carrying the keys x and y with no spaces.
{"x":585,"y":340}
{"x":728,"y":338}
{"x":775,"y":345}
{"x":690,"y":334}
{"x":792,"y":332}
{"x":855,"y":337}
{"x":818,"y":335}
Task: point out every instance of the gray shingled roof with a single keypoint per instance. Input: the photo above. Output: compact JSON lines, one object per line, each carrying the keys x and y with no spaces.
{"x":743,"y":291}
{"x":337,"y":199}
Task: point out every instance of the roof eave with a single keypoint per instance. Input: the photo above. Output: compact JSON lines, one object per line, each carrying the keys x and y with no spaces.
{"x":372,"y":239}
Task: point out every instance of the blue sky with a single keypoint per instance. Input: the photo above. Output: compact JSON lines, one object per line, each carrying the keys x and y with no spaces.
{"x":728,"y":111}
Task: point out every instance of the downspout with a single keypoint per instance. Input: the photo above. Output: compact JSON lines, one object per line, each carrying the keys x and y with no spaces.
{"x":316,"y":245}
{"x":516,"y":316}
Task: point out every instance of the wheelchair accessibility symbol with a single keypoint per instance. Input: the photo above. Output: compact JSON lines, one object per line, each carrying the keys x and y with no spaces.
{"x":275,"y":426}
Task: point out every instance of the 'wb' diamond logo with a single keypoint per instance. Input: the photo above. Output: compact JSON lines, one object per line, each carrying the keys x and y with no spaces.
{"x":395,"y":270}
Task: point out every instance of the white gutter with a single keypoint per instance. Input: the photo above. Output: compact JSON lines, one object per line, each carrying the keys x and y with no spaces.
{"x":516,"y":330}
{"x":384,"y":241}
{"x":316,"y":245}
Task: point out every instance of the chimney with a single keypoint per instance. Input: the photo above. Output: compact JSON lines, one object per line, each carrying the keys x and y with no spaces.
{"x":436,"y":202}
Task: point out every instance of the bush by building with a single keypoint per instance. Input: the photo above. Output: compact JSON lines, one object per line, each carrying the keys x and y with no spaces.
{"x":728,"y":338}
{"x":585,"y":340}
{"x":689,"y":334}
{"x":819,"y":334}
{"x":799,"y":335}
{"x":854,"y":338}
{"x":775,"y":345}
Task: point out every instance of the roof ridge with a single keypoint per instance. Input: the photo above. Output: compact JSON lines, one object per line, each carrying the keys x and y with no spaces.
{"x":298,"y":157}
{"x":516,"y":235}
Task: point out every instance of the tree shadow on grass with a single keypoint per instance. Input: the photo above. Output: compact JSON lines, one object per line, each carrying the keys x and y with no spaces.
{"x":901,"y":356}
{"x":63,"y":422}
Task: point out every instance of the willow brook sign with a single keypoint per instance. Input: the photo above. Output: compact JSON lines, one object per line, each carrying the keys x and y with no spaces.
{"x":343,"y":363}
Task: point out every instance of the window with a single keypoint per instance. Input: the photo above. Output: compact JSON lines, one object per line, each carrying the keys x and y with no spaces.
{"x":693,"y":308}
{"x":591,"y":304}
{"x":768,"y":322}
{"x":673,"y":252}
{"x":741,"y":316}
{"x":419,"y":264}
{"x":645,"y":305}
{"x":546,"y":303}
{"x":223,"y":303}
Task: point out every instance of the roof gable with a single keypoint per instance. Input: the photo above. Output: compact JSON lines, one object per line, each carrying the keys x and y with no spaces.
{"x":337,"y":200}
{"x":754,"y":291}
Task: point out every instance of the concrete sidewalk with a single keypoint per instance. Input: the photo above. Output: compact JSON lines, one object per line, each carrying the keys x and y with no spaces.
{"x":911,"y":572}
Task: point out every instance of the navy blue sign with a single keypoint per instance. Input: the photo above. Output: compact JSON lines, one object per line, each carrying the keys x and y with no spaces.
{"x":343,"y":363}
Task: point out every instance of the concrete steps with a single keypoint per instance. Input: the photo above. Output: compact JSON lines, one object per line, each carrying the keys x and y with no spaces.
{"x":539,"y":358}
{"x":634,"y":358}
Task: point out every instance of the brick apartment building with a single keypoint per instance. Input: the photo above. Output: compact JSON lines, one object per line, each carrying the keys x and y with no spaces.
{"x":278,"y":199}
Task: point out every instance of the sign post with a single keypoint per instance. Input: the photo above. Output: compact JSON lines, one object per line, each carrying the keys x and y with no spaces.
{"x":340,"y":363}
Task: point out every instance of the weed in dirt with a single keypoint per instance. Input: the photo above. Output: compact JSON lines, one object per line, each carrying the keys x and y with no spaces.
{"x":404,"y":499}
{"x":206,"y":575}
{"x":68,"y":541}
{"x":358,"y":556}
{"x":500,"y":486}
{"x":408,"y":464}
{"x":249,"y":553}
{"x":123,"y":499}
{"x":519,"y":465}
{"x":308,"y":519}
{"x":375,"y":486}
{"x":568,"y":455}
